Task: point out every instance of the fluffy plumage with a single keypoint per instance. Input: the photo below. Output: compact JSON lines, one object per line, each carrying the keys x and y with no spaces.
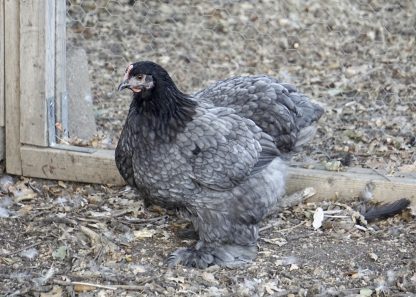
{"x":206,"y":155}
{"x":278,"y":108}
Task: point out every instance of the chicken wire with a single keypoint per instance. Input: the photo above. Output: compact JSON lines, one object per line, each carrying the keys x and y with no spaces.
{"x":356,"y":57}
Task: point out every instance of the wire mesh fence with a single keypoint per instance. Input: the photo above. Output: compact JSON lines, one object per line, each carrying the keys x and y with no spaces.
{"x":356,"y":57}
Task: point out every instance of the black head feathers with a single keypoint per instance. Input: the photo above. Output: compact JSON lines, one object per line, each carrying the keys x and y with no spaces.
{"x":164,"y":106}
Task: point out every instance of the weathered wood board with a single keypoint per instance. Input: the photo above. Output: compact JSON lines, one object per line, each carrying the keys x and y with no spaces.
{"x":37,"y":68}
{"x":12,"y":86}
{"x":2,"y":63}
{"x":330,"y":185}
{"x":99,"y":167}
{"x":52,"y":163}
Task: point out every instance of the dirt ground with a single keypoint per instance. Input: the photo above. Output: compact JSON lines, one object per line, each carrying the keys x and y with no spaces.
{"x":355,"y":57}
{"x":68,"y":239}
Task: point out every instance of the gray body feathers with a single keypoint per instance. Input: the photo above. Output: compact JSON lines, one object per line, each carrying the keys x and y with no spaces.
{"x":278,"y":108}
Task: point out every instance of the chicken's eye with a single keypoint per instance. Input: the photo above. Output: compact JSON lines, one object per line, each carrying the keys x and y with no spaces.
{"x":139,"y":77}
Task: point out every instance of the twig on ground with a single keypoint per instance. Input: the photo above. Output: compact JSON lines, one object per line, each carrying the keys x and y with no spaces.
{"x":21,"y":250}
{"x":269,"y":226}
{"x":38,"y":191}
{"x":71,"y":283}
{"x":60,"y":220}
{"x":281,"y":230}
{"x":107,"y":287}
{"x":143,"y":221}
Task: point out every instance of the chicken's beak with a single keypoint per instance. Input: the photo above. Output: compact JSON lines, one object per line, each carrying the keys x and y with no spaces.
{"x":124,"y":85}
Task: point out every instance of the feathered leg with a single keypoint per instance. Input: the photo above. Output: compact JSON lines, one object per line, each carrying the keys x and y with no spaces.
{"x":202,"y":255}
{"x":188,"y":233}
{"x":231,"y":247}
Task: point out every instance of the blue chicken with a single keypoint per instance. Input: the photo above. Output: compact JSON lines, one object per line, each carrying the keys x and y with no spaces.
{"x":214,"y":156}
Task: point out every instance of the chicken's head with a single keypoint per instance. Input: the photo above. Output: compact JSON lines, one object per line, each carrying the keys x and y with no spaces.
{"x":152,"y":85}
{"x":136,"y":79}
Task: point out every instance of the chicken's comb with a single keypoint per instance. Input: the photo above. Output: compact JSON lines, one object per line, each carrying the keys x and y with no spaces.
{"x":127,"y":73}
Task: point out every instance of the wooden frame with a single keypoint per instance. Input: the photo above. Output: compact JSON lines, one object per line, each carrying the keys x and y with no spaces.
{"x":34,"y":32}
{"x":12,"y":85}
{"x":2,"y":63}
{"x":61,"y":106}
{"x":37,"y":69}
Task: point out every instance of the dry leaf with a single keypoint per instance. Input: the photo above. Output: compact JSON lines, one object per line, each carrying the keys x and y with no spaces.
{"x":333,"y":165}
{"x":209,"y":277}
{"x":94,"y":199}
{"x":365,"y":292}
{"x":58,"y":125}
{"x":6,"y":181}
{"x":97,"y":214}
{"x":138,"y":269}
{"x":144,"y":233}
{"x":83,"y":288}
{"x":355,"y":275}
{"x":94,"y":237}
{"x":279,"y":241}
{"x":318,"y":218}
{"x":373,"y":256}
{"x":179,"y":279}
{"x":271,"y":288}
{"x":309,"y":192}
{"x":25,"y":210}
{"x":55,"y":292}
{"x":59,"y":253}
{"x":62,"y":184}
{"x":359,"y":227}
{"x":408,"y":168}
{"x":22,"y":193}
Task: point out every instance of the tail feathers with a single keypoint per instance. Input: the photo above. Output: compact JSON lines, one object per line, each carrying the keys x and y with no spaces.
{"x":310,"y":112}
{"x":268,"y":153}
{"x":386,"y":210}
{"x":304,"y":136}
{"x":305,"y":122}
